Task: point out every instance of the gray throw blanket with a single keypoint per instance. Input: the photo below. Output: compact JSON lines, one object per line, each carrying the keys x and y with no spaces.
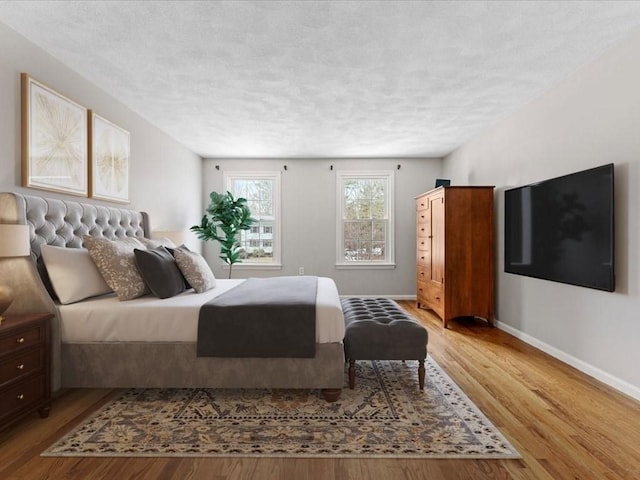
{"x":261,"y":317}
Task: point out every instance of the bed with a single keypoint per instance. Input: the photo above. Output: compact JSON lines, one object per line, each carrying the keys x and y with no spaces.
{"x":147,"y":342}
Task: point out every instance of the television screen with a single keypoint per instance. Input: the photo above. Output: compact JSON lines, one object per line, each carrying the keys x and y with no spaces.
{"x":562,"y":229}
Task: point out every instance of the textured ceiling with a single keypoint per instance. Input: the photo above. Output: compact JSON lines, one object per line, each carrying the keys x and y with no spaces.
{"x":323,"y":78}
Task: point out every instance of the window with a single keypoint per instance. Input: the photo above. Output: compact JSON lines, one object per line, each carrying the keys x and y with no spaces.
{"x":261,"y":244}
{"x":365,"y":213}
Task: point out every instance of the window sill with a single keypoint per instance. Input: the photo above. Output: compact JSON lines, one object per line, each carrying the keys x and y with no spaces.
{"x":365,"y":266}
{"x":254,"y":266}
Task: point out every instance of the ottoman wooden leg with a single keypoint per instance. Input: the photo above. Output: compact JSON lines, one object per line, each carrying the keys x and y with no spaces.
{"x":421,"y":375}
{"x":352,"y":373}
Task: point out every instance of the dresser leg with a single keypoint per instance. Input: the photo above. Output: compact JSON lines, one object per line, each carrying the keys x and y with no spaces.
{"x":421,"y":373}
{"x":44,"y":411}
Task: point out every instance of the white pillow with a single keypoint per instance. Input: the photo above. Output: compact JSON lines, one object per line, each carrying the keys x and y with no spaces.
{"x":73,"y":274}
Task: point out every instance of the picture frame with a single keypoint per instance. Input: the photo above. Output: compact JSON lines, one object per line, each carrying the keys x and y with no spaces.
{"x":109,"y":147}
{"x":54,"y":140}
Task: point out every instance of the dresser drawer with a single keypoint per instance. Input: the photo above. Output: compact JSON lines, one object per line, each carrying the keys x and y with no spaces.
{"x":21,"y":365}
{"x":421,"y":291}
{"x":423,"y":230}
{"x":422,"y":203}
{"x":24,"y":394}
{"x":435,"y":296}
{"x":430,"y":296}
{"x":423,"y":259}
{"x":422,"y":216}
{"x":424,"y":244}
{"x":21,"y":339}
{"x":422,"y":273}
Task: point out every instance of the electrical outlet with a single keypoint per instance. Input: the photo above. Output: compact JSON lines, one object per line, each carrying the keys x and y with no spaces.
{"x":301,"y":271}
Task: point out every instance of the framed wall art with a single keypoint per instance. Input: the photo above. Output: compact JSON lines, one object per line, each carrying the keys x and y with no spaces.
{"x":54,"y":140}
{"x":109,"y":167}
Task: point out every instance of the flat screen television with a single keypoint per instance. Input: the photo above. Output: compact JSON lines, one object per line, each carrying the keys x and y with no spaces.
{"x":562,"y":229}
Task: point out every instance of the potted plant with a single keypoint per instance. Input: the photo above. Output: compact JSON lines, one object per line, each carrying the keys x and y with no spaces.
{"x":225,"y":217}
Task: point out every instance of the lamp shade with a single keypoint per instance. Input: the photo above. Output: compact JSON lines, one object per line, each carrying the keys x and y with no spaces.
{"x":176,"y":236}
{"x":14,"y":240}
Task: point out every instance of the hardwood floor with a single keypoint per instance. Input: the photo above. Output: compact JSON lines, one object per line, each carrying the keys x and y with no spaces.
{"x":565,"y":424}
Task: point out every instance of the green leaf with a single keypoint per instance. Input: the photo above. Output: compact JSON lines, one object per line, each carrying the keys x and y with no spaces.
{"x":227,"y":215}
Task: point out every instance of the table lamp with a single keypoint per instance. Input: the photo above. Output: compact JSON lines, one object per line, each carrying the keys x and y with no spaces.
{"x":14,"y":242}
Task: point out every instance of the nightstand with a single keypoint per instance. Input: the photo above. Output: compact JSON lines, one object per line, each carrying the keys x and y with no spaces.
{"x":25,"y":371}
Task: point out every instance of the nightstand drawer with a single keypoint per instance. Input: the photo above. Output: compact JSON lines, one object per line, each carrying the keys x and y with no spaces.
{"x":21,"y":339}
{"x":30,"y":392}
{"x":21,"y":365}
{"x":25,"y":378}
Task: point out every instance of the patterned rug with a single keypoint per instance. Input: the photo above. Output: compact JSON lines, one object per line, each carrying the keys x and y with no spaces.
{"x":384,"y":416}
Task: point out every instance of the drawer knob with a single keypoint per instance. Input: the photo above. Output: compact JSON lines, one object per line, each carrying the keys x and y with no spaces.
{"x":20,"y":397}
{"x":20,"y":340}
{"x":20,"y":367}
{"x":437,"y":298}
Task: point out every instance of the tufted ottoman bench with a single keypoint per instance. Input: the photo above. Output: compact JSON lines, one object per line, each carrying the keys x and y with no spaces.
{"x":378,"y":329}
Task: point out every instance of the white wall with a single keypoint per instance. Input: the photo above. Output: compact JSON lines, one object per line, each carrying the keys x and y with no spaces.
{"x":309,"y":219}
{"x":165,"y":176}
{"x":590,"y":119}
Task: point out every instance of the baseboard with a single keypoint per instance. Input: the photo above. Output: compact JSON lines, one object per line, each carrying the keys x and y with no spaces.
{"x":584,"y":367}
{"x":392,"y":297}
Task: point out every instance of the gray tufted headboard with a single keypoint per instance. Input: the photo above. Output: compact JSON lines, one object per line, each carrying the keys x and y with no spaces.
{"x":63,"y":223}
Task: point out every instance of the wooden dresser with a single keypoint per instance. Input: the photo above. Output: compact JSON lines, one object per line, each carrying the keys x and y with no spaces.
{"x":25,"y":355}
{"x":455,"y":252}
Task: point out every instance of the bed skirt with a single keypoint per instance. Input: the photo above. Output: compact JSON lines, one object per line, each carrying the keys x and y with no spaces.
{"x":157,"y":365}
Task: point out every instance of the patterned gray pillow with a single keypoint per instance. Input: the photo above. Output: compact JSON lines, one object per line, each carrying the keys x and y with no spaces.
{"x":195,"y":269}
{"x":117,"y":264}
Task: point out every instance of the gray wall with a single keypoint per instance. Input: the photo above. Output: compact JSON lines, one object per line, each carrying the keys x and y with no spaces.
{"x":309,"y":219}
{"x":590,"y":119}
{"x":165,"y":176}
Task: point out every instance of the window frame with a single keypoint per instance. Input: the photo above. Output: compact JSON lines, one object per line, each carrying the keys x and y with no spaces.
{"x":341,"y":178}
{"x":275,"y":176}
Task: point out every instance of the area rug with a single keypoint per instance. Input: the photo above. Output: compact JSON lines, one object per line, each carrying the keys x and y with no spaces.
{"x":386,"y":415}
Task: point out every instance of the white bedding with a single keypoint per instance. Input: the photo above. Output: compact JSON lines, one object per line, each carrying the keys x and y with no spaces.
{"x":175,"y":319}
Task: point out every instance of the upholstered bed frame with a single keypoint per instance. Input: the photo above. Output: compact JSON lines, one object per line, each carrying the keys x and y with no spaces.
{"x":136,"y":364}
